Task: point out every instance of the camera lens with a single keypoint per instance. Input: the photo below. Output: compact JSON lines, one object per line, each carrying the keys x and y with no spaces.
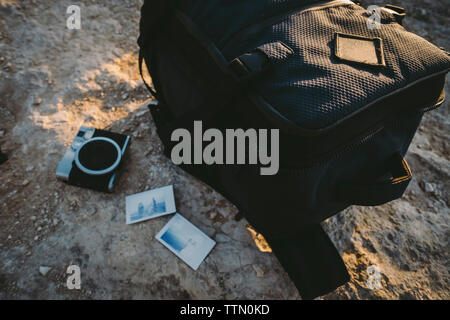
{"x":97,"y":156}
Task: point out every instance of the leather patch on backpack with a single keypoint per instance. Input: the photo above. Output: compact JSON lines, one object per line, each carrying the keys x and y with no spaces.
{"x":361,"y":50}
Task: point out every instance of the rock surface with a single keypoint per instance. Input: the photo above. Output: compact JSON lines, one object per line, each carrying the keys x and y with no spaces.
{"x":53,"y":80}
{"x":44,"y":270}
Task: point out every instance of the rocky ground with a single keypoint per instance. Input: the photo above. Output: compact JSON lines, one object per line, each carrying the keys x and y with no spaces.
{"x":52,"y":80}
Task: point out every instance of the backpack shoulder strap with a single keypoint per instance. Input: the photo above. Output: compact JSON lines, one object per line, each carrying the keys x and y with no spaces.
{"x":141,"y":59}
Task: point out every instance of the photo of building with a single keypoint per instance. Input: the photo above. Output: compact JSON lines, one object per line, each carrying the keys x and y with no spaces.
{"x":150,"y":204}
{"x":155,"y":207}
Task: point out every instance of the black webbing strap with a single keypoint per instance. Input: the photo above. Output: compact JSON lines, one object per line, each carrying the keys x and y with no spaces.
{"x":399,"y":13}
{"x":154,"y":13}
{"x":311,"y":261}
{"x":222,"y":88}
{"x":249,"y":65}
{"x":374,"y":193}
{"x":141,"y":59}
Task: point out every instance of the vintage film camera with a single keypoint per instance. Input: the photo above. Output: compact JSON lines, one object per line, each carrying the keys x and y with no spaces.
{"x":93,"y":159}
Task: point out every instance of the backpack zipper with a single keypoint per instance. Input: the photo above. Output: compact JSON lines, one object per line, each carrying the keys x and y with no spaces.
{"x":349,"y":147}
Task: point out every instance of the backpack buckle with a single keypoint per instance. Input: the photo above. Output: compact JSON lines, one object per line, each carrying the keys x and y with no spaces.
{"x":398,"y":12}
{"x":258,"y":60}
{"x":249,"y":65}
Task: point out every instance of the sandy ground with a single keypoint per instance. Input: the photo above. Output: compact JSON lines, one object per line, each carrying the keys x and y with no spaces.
{"x":52,"y":80}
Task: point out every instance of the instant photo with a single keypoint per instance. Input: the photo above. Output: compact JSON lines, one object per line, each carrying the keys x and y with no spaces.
{"x":150,"y":204}
{"x":186,"y":241}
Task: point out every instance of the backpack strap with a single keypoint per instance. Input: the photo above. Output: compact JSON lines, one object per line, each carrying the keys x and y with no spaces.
{"x":374,"y":193}
{"x":398,"y":12}
{"x":311,"y":261}
{"x":226,"y":79}
{"x":141,"y":59}
{"x":153,"y":15}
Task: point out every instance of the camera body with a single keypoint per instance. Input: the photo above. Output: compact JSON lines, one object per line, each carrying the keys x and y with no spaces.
{"x":93,"y":159}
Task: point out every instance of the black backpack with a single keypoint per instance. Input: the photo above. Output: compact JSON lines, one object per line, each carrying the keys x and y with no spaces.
{"x":346,"y":91}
